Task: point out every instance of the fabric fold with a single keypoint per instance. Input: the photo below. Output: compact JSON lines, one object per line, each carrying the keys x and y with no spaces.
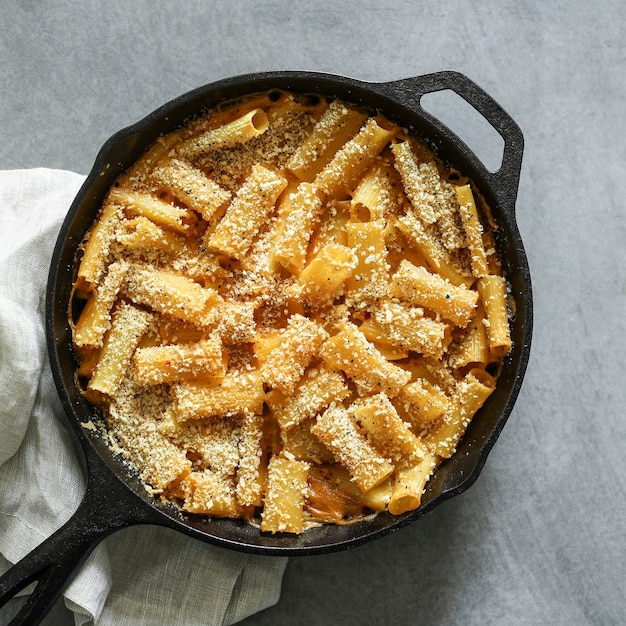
{"x":141,"y":575}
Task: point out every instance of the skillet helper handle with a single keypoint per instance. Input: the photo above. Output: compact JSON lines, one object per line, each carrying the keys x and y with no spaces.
{"x":54,"y":563}
{"x":504,"y":181}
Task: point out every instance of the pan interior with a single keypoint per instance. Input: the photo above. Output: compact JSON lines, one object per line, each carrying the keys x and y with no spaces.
{"x":453,"y":476}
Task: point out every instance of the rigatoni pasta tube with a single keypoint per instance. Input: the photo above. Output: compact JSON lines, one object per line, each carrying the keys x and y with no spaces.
{"x":141,"y":234}
{"x":162,"y":213}
{"x":473,"y":346}
{"x":421,"y":402}
{"x":412,"y":173}
{"x":375,"y":197}
{"x":389,"y":348}
{"x":209,"y":493}
{"x":332,"y":227}
{"x":473,"y":230}
{"x":421,"y":288}
{"x":406,"y":327}
{"x":95,"y":318}
{"x":318,"y":387}
{"x":239,"y":392}
{"x":430,"y":248}
{"x":137,"y":174}
{"x":233,"y":321}
{"x":299,"y":442}
{"x":472,"y":391}
{"x":369,"y":281}
{"x":191,"y":186}
{"x":96,"y":249}
{"x":353,"y":159}
{"x":249,"y":210}
{"x":378,"y":419}
{"x":250,"y":125}
{"x":322,"y":280}
{"x":128,"y":326}
{"x":339,"y":433}
{"x":431,"y":196}
{"x":169,"y":293}
{"x":154,"y":365}
{"x":303,"y":209}
{"x":286,"y":491}
{"x":492,"y":290}
{"x":337,"y":125}
{"x":352,"y":353}
{"x":409,"y":484}
{"x":249,"y":484}
{"x":289,"y":353}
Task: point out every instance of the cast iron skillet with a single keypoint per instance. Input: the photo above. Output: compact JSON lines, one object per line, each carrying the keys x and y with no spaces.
{"x":115,"y":498}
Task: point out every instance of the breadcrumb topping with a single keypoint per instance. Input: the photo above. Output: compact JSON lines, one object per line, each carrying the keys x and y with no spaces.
{"x":286,"y":315}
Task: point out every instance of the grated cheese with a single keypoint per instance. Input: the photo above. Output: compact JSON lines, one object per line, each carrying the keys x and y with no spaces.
{"x":300,"y":303}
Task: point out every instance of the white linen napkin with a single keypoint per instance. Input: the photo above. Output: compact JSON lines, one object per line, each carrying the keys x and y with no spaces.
{"x":141,"y":575}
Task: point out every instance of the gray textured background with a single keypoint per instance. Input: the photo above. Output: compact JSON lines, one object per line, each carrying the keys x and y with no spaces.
{"x":540,"y":538}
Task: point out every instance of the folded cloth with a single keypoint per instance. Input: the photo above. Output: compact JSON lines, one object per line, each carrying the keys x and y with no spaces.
{"x":141,"y":575}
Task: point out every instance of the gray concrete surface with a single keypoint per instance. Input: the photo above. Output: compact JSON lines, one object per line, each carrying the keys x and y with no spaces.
{"x":540,"y":538}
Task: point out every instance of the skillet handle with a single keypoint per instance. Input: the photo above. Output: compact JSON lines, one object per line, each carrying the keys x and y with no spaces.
{"x":505,"y":181}
{"x":104,"y":509}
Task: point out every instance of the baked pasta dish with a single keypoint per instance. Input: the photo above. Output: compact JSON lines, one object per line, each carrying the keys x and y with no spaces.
{"x":288,"y":311}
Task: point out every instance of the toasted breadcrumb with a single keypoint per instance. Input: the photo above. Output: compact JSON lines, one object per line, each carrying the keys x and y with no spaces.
{"x":298,"y":304}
